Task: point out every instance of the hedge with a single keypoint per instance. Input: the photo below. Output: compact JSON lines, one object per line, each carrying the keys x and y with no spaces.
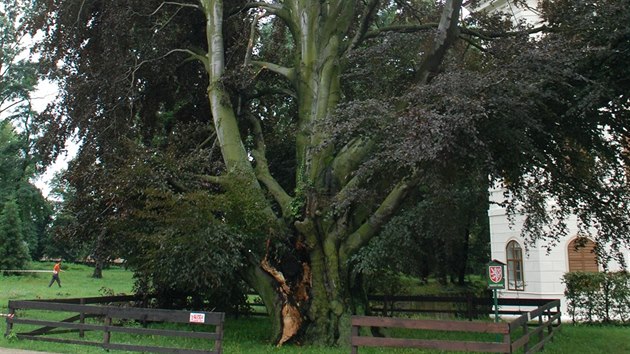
{"x":598,"y":297}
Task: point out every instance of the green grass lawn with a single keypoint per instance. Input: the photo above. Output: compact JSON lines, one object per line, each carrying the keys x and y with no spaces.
{"x":76,"y":281}
{"x":242,"y":335}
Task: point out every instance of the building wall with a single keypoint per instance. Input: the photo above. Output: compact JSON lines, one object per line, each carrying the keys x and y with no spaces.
{"x":516,"y":13}
{"x":543,"y":269}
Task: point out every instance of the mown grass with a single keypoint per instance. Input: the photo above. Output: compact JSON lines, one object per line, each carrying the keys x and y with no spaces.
{"x":243,"y":335}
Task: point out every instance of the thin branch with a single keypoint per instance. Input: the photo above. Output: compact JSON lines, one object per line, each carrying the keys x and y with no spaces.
{"x":177,"y":186}
{"x":13,"y":104}
{"x":212,"y":137}
{"x":203,"y":59}
{"x":409,"y":9}
{"x":275,"y":9}
{"x":250,"y":42}
{"x":169,"y":19}
{"x":80,"y":10}
{"x":402,"y":29}
{"x":375,"y":222}
{"x":472,"y":43}
{"x":492,"y":35}
{"x":172,"y":3}
{"x":366,"y":17}
{"x":272,"y":91}
{"x":262,"y":169}
{"x":220,"y":180}
{"x":288,"y":73}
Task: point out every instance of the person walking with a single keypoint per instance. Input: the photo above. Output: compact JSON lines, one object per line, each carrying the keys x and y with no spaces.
{"x":55,"y":276}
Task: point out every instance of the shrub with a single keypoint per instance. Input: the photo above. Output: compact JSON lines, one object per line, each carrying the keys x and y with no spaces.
{"x":598,"y":297}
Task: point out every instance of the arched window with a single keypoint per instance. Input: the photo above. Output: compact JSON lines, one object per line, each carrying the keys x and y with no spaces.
{"x":514,"y":257}
{"x":582,"y":257}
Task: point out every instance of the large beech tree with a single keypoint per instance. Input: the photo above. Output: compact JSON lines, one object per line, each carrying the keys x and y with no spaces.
{"x":298,"y":129}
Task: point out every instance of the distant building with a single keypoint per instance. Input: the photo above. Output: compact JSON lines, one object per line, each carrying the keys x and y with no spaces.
{"x":516,"y":13}
{"x":535,"y":272}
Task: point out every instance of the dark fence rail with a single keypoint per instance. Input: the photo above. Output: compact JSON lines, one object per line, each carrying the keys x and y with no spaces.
{"x":538,"y":327}
{"x":108,"y":314}
{"x":462,"y":305}
{"x":466,"y":305}
{"x":530,"y":331}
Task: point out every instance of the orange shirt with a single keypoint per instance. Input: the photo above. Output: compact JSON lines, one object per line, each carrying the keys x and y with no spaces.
{"x":56,"y":268}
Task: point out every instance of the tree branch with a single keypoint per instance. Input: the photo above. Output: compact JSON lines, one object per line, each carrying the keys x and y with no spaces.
{"x":275,"y":9}
{"x":271,"y":91}
{"x":172,"y":3}
{"x":447,"y":33}
{"x":220,"y":180}
{"x":472,"y":43}
{"x":250,"y":42}
{"x":366,"y":17}
{"x":262,"y":170}
{"x":211,"y":137}
{"x":375,"y":222}
{"x":349,"y":158}
{"x":402,"y":29}
{"x":288,"y":73}
{"x":492,"y":35}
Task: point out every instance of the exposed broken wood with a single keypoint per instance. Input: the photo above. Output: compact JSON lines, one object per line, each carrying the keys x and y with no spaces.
{"x":291,"y":322}
{"x":291,"y":316}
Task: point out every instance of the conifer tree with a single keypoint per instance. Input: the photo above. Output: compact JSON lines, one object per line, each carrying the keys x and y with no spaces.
{"x":13,"y":250}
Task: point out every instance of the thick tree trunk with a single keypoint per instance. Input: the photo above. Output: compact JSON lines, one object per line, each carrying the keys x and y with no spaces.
{"x":267,"y":288}
{"x":98,"y":269}
{"x":463,"y":262}
{"x":313,"y":300}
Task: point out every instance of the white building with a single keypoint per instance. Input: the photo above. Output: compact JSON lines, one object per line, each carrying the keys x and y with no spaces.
{"x":516,"y":13}
{"x":531,"y":270}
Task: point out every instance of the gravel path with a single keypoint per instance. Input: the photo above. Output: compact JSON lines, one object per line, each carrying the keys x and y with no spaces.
{"x":20,"y":351}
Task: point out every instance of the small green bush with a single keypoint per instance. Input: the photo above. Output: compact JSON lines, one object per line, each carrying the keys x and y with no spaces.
{"x":598,"y":297}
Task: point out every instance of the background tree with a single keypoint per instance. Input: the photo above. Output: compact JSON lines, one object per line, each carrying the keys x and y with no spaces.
{"x":17,"y":73}
{"x":14,"y":252}
{"x":16,"y":167}
{"x":301,"y":143}
{"x":19,"y":160}
{"x":60,"y":241}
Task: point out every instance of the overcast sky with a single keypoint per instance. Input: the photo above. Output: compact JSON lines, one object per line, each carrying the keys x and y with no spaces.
{"x":45,"y":93}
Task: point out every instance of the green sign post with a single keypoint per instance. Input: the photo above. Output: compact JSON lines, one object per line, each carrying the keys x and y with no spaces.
{"x":496,"y":280}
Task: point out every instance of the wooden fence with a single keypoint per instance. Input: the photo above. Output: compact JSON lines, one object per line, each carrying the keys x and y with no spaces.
{"x":530,"y":331}
{"x":108,"y":316}
{"x":461,"y":305}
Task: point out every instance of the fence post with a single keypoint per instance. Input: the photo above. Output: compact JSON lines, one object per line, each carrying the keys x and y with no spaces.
{"x":526,"y":333}
{"x":218,"y":343}
{"x":469,"y":306}
{"x":106,"y":332}
{"x":10,"y":320}
{"x":549,"y":324}
{"x":354,"y":333}
{"x":507,"y":339}
{"x":560,"y":316}
{"x":82,"y":318}
{"x":541,"y":334}
{"x":384,"y":305}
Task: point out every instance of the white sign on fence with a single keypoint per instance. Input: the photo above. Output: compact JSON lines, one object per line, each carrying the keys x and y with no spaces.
{"x":197,"y":317}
